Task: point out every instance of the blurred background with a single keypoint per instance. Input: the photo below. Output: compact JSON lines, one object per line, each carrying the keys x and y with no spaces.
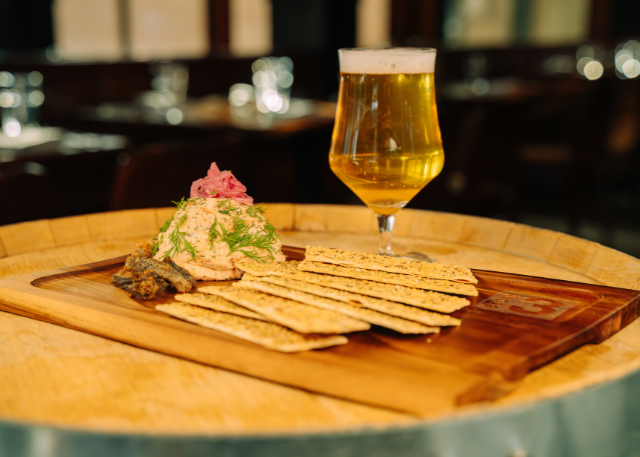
{"x":117,"y":104}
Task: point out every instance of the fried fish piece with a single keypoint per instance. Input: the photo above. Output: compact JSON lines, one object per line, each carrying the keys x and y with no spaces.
{"x":144,"y":286}
{"x":143,"y":249}
{"x":167,"y":270}
{"x":142,"y":276}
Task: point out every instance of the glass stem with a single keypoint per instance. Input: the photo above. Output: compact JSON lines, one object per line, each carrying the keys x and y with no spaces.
{"x":385,"y":226}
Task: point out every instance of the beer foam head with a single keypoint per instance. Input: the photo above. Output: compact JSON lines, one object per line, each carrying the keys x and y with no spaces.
{"x":387,"y":61}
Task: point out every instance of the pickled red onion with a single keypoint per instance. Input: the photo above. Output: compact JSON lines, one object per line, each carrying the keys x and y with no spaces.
{"x":220,"y":184}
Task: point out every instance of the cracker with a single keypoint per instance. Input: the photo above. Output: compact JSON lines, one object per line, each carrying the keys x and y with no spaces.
{"x":267,"y":334}
{"x":390,"y":264}
{"x":297,"y":316}
{"x":218,"y":304}
{"x":268,"y":268}
{"x":384,"y":306}
{"x":434,"y":301}
{"x":353,"y":310}
{"x":440,"y":285}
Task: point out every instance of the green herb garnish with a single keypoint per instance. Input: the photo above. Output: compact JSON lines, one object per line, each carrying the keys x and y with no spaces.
{"x":227,"y":207}
{"x":158,"y":238}
{"x":256,"y":211}
{"x":213,"y":233}
{"x":178,"y":241}
{"x":239,"y":239}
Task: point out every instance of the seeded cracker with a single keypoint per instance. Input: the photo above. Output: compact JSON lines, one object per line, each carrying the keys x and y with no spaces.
{"x":440,"y":285}
{"x":267,"y":334}
{"x":390,"y":264}
{"x":358,"y":312}
{"x":218,"y":304}
{"x":269,"y":268}
{"x":435,"y":301}
{"x":411,"y":313}
{"x":297,"y":316}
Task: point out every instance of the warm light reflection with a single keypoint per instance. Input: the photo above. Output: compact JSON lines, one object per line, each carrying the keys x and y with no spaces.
{"x":627,"y":60}
{"x":6,"y":98}
{"x":240,"y":94}
{"x":6,"y":79}
{"x":35,"y":78}
{"x":590,"y":60}
{"x":272,"y":78}
{"x":11,"y":128}
{"x":582,"y":63}
{"x":631,"y":68}
{"x":585,"y":51}
{"x":593,"y":70}
{"x":174,"y":116}
{"x":35,"y":98}
{"x":480,"y":87}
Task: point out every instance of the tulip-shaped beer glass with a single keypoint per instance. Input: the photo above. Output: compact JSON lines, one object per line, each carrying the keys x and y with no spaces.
{"x":386,"y":143}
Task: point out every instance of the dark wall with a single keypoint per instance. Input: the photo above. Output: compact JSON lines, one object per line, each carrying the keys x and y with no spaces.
{"x":26,"y":25}
{"x":318,"y":27}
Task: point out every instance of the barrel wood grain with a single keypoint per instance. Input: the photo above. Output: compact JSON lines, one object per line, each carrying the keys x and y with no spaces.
{"x":59,"y":376}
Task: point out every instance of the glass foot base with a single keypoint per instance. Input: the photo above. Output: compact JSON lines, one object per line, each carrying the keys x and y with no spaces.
{"x":413,"y":255}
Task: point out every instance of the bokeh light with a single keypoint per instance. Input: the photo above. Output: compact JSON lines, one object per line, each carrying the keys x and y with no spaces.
{"x":582,"y":63}
{"x":272,"y":80}
{"x":593,"y":70}
{"x":35,"y":98}
{"x":627,"y":60}
{"x":240,"y":94}
{"x":6,"y":98}
{"x":35,"y":78}
{"x":12,"y":128}
{"x":174,"y":116}
{"x":631,"y":68}
{"x":480,"y":87}
{"x":6,"y":79}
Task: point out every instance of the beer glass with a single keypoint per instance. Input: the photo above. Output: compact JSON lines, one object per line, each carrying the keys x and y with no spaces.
{"x":386,"y":142}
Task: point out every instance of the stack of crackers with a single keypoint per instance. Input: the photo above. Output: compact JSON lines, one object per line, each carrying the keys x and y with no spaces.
{"x":298,"y":306}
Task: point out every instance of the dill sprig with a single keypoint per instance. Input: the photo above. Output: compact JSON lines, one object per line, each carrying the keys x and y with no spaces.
{"x":256,"y":211}
{"x":158,"y":238}
{"x":227,"y":207}
{"x":181,"y":204}
{"x":239,"y":238}
{"x":178,"y":241}
{"x":213,"y":232}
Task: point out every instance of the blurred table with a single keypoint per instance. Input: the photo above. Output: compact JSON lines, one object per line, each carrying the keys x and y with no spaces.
{"x":47,"y":171}
{"x":38,"y":143}
{"x":207,"y":116}
{"x":67,"y":393}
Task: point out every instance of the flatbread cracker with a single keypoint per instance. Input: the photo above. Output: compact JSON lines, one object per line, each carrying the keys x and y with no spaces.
{"x":355,"y":311}
{"x":267,"y":334}
{"x":434,"y":301}
{"x":390,"y":264}
{"x":440,"y":285}
{"x":268,"y":268}
{"x":297,"y":316}
{"x":384,"y":306}
{"x":218,"y":304}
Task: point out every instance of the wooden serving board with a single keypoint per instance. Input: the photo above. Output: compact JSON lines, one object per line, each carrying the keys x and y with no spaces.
{"x":515,"y":325}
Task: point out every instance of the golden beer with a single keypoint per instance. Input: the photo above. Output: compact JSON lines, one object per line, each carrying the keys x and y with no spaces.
{"x":386,"y":143}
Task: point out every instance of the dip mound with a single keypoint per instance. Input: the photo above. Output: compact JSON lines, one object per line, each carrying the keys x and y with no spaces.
{"x":207,"y":236}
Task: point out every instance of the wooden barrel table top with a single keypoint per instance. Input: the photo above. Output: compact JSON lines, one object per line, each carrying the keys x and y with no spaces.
{"x":54,"y":376}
